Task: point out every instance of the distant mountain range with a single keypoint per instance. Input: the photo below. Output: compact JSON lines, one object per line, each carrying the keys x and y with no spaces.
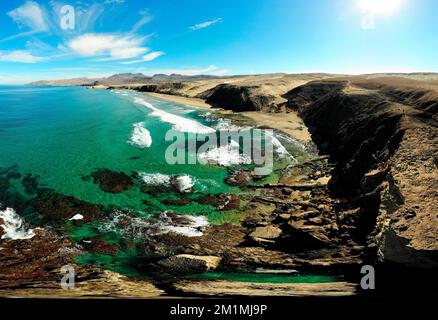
{"x":139,"y":78}
{"x":122,"y":78}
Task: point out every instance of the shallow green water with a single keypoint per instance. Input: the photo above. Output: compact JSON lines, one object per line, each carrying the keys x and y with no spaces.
{"x":63,"y":134}
{"x":267,"y":277}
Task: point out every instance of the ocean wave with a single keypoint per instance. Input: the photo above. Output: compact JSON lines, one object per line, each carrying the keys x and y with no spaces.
{"x":155,"y":179}
{"x":166,"y":222}
{"x":193,"y":229}
{"x":13,"y":227}
{"x":227,"y":155}
{"x":179,"y":123}
{"x":183,"y":183}
{"x":280,"y":151}
{"x":140,"y":136}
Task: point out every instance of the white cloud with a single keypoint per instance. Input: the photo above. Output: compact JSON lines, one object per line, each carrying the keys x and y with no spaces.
{"x":143,"y":20}
{"x":125,"y":53}
{"x":30,"y":15}
{"x":153,"y":55}
{"x":206,"y":24}
{"x":116,"y":47}
{"x":19,"y":56}
{"x":149,"y":57}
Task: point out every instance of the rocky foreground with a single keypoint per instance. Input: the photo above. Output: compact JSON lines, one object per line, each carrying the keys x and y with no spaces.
{"x":370,"y":197}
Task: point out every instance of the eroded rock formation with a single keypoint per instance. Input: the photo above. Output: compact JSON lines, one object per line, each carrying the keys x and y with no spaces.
{"x":384,"y":142}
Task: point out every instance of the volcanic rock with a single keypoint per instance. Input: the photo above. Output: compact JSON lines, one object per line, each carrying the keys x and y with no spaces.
{"x":268,"y":232}
{"x":2,"y":232}
{"x":57,"y":208}
{"x":96,"y":245}
{"x":30,"y":183}
{"x":112,"y":182}
{"x":4,"y":184}
{"x":237,"y":98}
{"x":188,"y":264}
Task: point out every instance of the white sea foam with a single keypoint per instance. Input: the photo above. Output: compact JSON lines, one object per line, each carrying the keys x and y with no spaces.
{"x":141,"y":228}
{"x":194,"y":229}
{"x":13,"y":226}
{"x":226,"y":155}
{"x":184,"y":183}
{"x":279,"y":149}
{"x":179,"y":123}
{"x":226,"y":125}
{"x":140,"y":136}
{"x":155,"y":179}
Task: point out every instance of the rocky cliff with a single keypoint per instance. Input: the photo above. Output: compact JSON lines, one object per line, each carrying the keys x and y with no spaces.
{"x":383,"y":140}
{"x":238,"y":97}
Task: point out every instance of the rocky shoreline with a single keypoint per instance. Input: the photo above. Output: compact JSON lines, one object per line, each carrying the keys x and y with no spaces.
{"x":371,"y":198}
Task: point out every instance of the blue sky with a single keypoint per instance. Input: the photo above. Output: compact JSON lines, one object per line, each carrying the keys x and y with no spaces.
{"x":38,"y":41}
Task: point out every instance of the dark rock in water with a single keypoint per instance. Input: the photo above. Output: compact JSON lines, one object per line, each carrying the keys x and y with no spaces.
{"x":87,"y":178}
{"x":112,"y":182}
{"x":7,"y":169}
{"x":95,"y":245}
{"x":13,"y":175}
{"x":57,"y":208}
{"x":4,"y":184}
{"x":30,"y":183}
{"x":34,"y":260}
{"x":187,"y":264}
{"x":239,"y":178}
{"x":2,"y":232}
{"x":223,"y":202}
{"x":179,"y":202}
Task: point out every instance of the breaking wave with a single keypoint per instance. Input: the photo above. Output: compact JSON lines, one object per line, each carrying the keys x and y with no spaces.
{"x":227,"y":155}
{"x":179,"y":123}
{"x":140,"y":136}
{"x":13,"y":227}
{"x":183,"y":183}
{"x":166,"y":222}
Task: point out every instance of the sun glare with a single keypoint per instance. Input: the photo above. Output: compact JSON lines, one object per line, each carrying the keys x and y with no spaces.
{"x":384,"y":7}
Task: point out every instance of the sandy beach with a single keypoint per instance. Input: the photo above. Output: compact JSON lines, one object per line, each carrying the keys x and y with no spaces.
{"x":289,"y":123}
